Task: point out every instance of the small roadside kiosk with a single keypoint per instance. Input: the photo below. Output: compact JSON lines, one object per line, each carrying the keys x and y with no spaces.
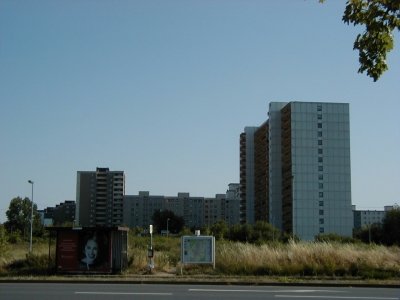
{"x":90,"y":250}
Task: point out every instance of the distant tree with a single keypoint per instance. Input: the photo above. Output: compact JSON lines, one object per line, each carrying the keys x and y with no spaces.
{"x":186,"y":231}
{"x":264,"y":231}
{"x":333,"y":237}
{"x":241,"y":232}
{"x":372,"y":233}
{"x":219,"y":229}
{"x":19,"y":217}
{"x":205,"y":230}
{"x":391,"y":227}
{"x":160,"y":219}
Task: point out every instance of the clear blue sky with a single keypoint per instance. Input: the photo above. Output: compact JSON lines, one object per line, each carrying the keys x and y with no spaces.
{"x":162,"y":90}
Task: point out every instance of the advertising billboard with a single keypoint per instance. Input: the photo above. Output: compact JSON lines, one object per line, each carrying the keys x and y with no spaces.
{"x":85,"y":250}
{"x":198,"y":250}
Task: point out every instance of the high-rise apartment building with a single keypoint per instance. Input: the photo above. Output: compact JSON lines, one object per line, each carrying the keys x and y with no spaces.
{"x":232,"y":204}
{"x":247,"y":175}
{"x":299,"y":164}
{"x":99,"y":198}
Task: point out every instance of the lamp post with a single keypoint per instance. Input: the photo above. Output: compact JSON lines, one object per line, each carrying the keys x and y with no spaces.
{"x":30,"y":241}
{"x":369,"y":231}
{"x":292,"y":205}
{"x":167,"y":226}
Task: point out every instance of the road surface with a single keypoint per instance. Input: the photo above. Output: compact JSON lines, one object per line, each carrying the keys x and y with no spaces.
{"x":77,"y":291}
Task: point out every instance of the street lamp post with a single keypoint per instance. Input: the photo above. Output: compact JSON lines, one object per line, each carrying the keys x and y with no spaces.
{"x":30,"y":241}
{"x":167,"y":226}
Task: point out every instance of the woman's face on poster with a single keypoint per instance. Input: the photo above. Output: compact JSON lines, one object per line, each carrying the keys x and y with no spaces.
{"x":91,"y":250}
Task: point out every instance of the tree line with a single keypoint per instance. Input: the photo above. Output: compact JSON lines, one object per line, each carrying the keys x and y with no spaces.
{"x":17,"y":228}
{"x":387,"y":233}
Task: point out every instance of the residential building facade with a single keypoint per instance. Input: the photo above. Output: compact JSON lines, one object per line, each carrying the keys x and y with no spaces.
{"x":64,"y":213}
{"x":99,"y":198}
{"x":197,"y":212}
{"x":366,"y":218}
{"x":247,"y":175}
{"x":301,"y":169}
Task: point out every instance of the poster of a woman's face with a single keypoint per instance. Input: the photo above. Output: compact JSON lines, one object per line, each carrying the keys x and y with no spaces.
{"x":94,"y":251}
{"x":91,"y":251}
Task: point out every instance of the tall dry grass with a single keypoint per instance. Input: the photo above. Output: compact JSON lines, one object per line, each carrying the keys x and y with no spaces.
{"x":309,"y":259}
{"x":234,"y":258}
{"x":166,"y":254}
{"x":15,"y":258}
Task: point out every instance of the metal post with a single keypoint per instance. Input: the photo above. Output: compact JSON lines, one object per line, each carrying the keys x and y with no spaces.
{"x":151,"y":250}
{"x":30,"y":241}
{"x":369,"y":232}
{"x":167,"y":227}
{"x":292,"y":206}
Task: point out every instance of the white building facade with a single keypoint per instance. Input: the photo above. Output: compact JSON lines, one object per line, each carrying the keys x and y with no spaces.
{"x":316,"y":174}
{"x":308,"y":167}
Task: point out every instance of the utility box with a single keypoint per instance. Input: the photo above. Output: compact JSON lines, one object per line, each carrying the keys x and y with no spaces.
{"x":99,"y":250}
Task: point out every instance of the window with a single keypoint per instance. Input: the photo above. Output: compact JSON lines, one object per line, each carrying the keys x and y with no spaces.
{"x":319,"y":133}
{"x":321,"y":230}
{"x":320,"y":151}
{"x":320,"y":185}
{"x":319,"y":142}
{"x":319,"y":117}
{"x":319,"y":107}
{"x":319,"y":125}
{"x":320,"y":168}
{"x":321,"y":212}
{"x":321,"y":221}
{"x":320,"y":159}
{"x":321,"y":194}
{"x":321,"y":203}
{"x":321,"y":176}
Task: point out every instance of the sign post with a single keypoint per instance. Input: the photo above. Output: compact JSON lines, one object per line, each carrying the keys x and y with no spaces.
{"x":150,"y":251}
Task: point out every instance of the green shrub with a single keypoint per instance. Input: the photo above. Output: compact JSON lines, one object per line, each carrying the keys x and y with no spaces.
{"x":32,"y":265}
{"x":333,"y":237}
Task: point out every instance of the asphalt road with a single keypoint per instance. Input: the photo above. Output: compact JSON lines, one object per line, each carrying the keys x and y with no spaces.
{"x":70,"y":291}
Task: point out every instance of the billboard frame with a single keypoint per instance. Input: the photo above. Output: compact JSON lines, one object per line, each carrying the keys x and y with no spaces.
{"x":190,"y":245}
{"x":106,"y":253}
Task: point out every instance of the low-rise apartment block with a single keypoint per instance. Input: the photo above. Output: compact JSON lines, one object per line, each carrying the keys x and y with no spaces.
{"x":196,"y":211}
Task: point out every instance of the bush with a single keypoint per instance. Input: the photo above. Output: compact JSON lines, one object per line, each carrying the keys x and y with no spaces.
{"x":3,"y":238}
{"x":333,"y":237}
{"x":14,"y":237}
{"x":31,"y":265}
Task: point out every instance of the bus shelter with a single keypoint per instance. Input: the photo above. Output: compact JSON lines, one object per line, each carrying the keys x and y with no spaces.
{"x":90,"y":250}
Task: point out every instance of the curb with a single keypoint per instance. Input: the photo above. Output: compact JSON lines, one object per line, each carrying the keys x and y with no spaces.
{"x":209,"y":281}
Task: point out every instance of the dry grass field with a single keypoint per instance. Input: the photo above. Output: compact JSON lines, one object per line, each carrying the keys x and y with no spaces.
{"x":309,"y":259}
{"x":317,"y":259}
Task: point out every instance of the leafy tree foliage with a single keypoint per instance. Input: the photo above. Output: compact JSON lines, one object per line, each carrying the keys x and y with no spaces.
{"x":19,"y":216}
{"x":391,"y":227}
{"x":387,"y":233}
{"x":381,"y":18}
{"x":219,"y":229}
{"x":160,"y":219}
{"x":370,"y":234}
{"x":333,"y":237}
{"x":259,"y":233}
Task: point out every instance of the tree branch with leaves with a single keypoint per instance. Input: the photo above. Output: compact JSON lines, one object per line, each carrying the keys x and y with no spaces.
{"x":380,"y":18}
